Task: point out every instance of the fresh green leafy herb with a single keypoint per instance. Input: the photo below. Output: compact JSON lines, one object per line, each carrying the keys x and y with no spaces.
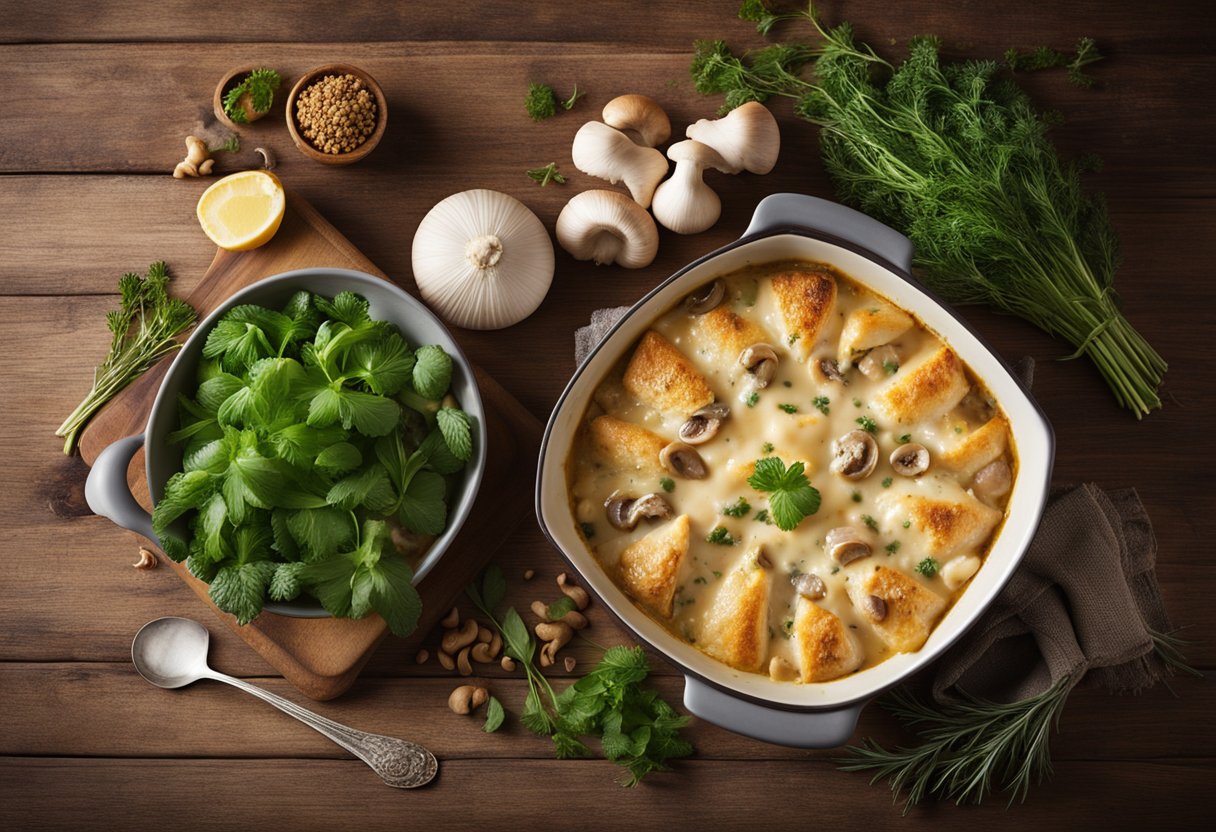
{"x":762,"y":517}
{"x":890,"y":367}
{"x":752,"y":399}
{"x":1044,"y":57}
{"x":667,"y":484}
{"x":955,"y":155}
{"x":927,"y":567}
{"x":867,"y":424}
{"x":791,"y":497}
{"x":892,"y":547}
{"x":905,"y":438}
{"x":793,"y":339}
{"x":870,"y":522}
{"x":886,"y":482}
{"x":540,"y":102}
{"x":495,"y":715}
{"x":720,"y":536}
{"x":637,"y":728}
{"x":569,"y":103}
{"x":766,"y":448}
{"x":142,"y":331}
{"x":788,"y":408}
{"x":547,"y":174}
{"x":821,"y":404}
{"x":739,"y":508}
{"x":259,"y":86}
{"x":297,"y":456}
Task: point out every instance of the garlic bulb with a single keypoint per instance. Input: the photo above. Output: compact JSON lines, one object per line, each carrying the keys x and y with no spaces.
{"x":482,"y":260}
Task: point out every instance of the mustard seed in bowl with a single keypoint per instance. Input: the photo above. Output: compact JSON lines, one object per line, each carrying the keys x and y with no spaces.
{"x":336,"y":113}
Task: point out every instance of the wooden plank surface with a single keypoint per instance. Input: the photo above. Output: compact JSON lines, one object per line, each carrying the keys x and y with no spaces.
{"x":99,"y":98}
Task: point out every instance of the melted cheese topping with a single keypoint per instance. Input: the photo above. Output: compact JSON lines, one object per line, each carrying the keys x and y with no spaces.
{"x":709,"y":593}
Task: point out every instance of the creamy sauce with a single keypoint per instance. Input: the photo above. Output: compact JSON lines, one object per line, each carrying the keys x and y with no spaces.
{"x":759,"y":426}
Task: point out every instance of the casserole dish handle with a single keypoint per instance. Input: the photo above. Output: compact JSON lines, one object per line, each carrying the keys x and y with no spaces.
{"x":780,"y":211}
{"x":800,"y":729}
{"x":106,"y":490}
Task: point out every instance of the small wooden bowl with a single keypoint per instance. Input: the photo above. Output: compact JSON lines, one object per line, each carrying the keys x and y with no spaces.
{"x":306,"y":147}
{"x":226,"y":83}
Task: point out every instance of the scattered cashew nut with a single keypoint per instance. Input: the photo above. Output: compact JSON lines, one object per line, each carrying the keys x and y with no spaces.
{"x":147,"y":559}
{"x":570,"y":590}
{"x":462,"y":663}
{"x":198,"y":161}
{"x":467,"y":698}
{"x":446,"y":661}
{"x":484,"y":635}
{"x":508,"y":663}
{"x":454,"y":640}
{"x":422,"y":656}
{"x":452,"y":620}
{"x":267,"y":158}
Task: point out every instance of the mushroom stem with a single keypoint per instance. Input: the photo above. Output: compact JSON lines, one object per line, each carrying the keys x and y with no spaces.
{"x":606,"y":247}
{"x":484,"y":251}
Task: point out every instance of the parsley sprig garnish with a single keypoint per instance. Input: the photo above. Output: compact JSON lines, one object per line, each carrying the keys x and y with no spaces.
{"x":791,"y":497}
{"x":636,"y":727}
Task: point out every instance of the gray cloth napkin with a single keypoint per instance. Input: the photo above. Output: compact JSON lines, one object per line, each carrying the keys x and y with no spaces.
{"x":1082,"y":602}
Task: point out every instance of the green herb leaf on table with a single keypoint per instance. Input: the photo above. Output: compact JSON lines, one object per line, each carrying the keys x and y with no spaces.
{"x":540,"y":102}
{"x":543,"y":176}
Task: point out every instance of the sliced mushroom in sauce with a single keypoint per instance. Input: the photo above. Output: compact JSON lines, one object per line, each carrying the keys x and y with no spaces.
{"x":703,"y":425}
{"x":683,"y":460}
{"x":910,"y":459}
{"x":879,"y":363}
{"x":845,"y":544}
{"x":874,"y":607}
{"x":854,"y":455}
{"x":760,"y":360}
{"x":830,"y":370}
{"x":992,"y":482}
{"x":706,"y":298}
{"x":625,"y":513}
{"x":809,"y":585}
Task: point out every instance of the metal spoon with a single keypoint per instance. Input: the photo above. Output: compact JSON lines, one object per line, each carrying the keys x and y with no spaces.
{"x":172,"y":653}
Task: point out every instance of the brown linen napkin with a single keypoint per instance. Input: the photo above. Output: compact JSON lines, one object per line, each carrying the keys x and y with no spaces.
{"x":1082,"y":602}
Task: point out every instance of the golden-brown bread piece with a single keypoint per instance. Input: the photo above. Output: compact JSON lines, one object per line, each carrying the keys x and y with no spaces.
{"x":735,"y":629}
{"x":975,"y":450}
{"x":723,"y":335}
{"x":943,"y":521}
{"x":872,"y":324}
{"x":662,"y":377}
{"x":806,"y":299}
{"x":622,"y":445}
{"x":911,"y":608}
{"x":924,"y":390}
{"x":648,"y":568}
{"x":826,"y":648}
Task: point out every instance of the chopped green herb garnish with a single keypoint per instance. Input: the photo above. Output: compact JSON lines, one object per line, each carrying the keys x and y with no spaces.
{"x":787,"y":627}
{"x":869,"y":521}
{"x":867,"y":424}
{"x":857,"y":496}
{"x":720,"y":536}
{"x":893,"y":547}
{"x":835,"y":569}
{"x":821,"y":404}
{"x":788,"y":408}
{"x":667,"y":484}
{"x":905,"y":438}
{"x":927,"y":567}
{"x":793,"y":338}
{"x":699,"y":580}
{"x":791,"y":495}
{"x":546,"y":175}
{"x":767,"y":447}
{"x":540,"y":102}
{"x":739,"y":509}
{"x":958,"y":429}
{"x":856,"y":402}
{"x":762,"y":516}
{"x":588,"y":529}
{"x":752,"y":399}
{"x":717,"y":573}
{"x":907,"y":523}
{"x":569,"y":103}
{"x":886,"y":483}
{"x":890,"y":366}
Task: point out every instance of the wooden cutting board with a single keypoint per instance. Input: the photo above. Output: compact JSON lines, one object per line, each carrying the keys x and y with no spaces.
{"x":323,"y":656}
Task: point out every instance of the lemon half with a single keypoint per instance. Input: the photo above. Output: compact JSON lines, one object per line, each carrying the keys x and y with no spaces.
{"x":243,"y":210}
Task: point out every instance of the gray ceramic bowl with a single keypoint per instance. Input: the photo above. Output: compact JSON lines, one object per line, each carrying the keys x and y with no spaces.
{"x":107,"y":492}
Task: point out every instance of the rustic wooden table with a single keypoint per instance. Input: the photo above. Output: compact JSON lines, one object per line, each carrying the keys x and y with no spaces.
{"x":97,"y":100}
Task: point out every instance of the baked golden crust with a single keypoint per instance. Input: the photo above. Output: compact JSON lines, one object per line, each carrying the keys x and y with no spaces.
{"x":722,"y":334}
{"x":662,"y":377}
{"x":975,"y":450}
{"x":950,"y":526}
{"x":925,"y":390}
{"x":826,"y":648}
{"x":912,"y":609}
{"x":624,"y":445}
{"x":735,"y":630}
{"x":806,"y":299}
{"x":873,"y":325}
{"x":648,"y":568}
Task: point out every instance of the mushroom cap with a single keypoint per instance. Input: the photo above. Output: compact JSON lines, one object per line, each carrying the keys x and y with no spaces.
{"x":640,"y":115}
{"x":605,"y":152}
{"x":482,"y":259}
{"x":684,"y":203}
{"x":608,"y":227}
{"x":747,"y":137}
{"x":700,"y":153}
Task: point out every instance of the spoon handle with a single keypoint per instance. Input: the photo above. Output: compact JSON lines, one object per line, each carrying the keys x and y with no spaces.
{"x":400,"y":763}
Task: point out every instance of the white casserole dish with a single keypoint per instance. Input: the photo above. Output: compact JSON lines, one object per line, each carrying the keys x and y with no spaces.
{"x":791,"y":226}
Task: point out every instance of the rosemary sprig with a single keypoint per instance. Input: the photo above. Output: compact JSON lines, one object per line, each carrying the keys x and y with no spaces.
{"x":969,"y":748}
